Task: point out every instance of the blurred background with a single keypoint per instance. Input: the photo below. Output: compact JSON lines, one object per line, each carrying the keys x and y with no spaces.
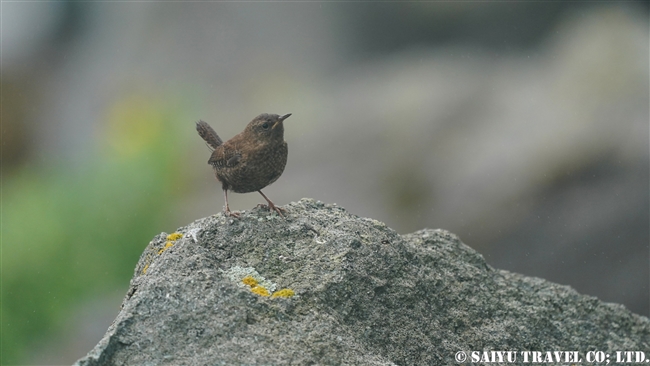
{"x":521,"y":126}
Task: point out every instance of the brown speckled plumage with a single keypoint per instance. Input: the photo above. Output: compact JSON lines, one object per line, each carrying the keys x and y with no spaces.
{"x":251,"y":160}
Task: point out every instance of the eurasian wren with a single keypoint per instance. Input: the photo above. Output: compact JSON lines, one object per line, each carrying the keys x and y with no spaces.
{"x":251,"y":160}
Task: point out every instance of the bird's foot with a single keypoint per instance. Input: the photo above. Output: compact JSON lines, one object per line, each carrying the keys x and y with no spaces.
{"x":272,"y":207}
{"x":229,"y":213}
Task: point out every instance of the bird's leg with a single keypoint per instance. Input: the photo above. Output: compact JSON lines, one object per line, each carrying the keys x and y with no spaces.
{"x":271,"y":205}
{"x":227,"y":211}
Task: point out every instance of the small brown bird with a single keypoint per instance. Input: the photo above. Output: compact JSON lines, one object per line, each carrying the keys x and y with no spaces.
{"x":251,"y":160}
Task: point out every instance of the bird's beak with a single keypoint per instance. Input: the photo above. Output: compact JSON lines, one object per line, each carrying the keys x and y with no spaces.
{"x":282,"y":118}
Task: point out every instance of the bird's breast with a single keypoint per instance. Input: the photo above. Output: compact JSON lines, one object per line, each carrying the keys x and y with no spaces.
{"x":256,"y":169}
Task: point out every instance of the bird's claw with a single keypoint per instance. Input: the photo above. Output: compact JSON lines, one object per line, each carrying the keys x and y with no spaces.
{"x":272,"y":207}
{"x":235,"y":214}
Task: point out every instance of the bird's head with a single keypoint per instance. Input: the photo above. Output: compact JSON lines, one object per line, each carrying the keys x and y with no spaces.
{"x":268,"y":126}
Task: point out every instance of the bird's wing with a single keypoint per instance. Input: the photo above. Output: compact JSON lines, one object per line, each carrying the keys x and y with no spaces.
{"x":208,"y":134}
{"x":225,"y":157}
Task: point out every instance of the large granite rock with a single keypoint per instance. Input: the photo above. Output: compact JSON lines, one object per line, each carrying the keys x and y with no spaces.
{"x":364,"y":295}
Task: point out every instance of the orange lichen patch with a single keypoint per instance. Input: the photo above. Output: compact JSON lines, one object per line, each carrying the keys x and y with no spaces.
{"x":174,"y":236}
{"x":168,"y":245}
{"x":260,"y":290}
{"x":144,"y":270}
{"x":250,"y":281}
{"x":285,"y":292}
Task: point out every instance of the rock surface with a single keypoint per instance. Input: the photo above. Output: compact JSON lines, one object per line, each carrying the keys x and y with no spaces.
{"x":364,"y":295}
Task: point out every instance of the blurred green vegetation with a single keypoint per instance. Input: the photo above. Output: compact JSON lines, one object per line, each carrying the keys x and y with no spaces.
{"x":71,"y":233}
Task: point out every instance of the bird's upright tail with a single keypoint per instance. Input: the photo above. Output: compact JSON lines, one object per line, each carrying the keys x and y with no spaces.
{"x":208,"y":134}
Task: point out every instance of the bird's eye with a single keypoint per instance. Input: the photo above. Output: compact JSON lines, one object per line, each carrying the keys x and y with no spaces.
{"x":265,"y":126}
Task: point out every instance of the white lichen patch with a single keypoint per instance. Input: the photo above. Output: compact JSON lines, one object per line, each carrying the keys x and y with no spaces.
{"x":236,"y":274}
{"x":193,"y":232}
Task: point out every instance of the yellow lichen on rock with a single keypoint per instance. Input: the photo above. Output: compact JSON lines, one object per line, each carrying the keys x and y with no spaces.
{"x":168,"y":245}
{"x":285,"y":292}
{"x":144,"y":270}
{"x":260,"y":290}
{"x":174,"y":236}
{"x":250,"y":281}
